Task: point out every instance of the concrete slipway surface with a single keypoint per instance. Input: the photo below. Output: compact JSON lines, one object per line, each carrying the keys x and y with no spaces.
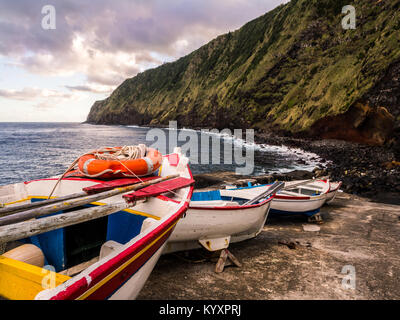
{"x":293,"y":259}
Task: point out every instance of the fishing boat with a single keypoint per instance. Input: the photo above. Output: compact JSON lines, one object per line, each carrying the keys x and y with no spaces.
{"x":102,"y":241}
{"x":220,"y":217}
{"x":303,"y":197}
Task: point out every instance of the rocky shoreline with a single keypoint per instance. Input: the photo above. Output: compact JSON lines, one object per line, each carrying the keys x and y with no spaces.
{"x":368,"y":171}
{"x":289,"y":260}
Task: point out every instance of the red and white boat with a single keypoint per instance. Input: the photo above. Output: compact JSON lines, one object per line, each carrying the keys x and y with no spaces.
{"x":302,"y":197}
{"x":217,"y":218}
{"x":109,"y":257}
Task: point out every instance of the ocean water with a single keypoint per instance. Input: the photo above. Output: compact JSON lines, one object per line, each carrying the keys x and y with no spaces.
{"x":39,"y":150}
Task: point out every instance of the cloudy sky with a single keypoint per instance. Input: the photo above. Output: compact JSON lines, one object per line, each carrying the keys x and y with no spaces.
{"x":57,"y":74}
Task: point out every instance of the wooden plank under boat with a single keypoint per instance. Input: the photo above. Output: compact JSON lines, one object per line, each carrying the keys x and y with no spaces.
{"x":107,"y":258}
{"x":217,"y":218}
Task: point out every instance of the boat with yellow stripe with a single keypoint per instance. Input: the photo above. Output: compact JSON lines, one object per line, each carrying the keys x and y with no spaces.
{"x":106,"y":257}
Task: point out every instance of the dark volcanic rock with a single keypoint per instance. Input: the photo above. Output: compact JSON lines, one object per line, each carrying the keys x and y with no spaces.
{"x":370,"y":171}
{"x":315,"y":78}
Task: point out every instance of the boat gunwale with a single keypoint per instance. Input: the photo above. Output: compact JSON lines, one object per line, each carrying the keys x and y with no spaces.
{"x":78,"y":286}
{"x":281,"y":198}
{"x":236,"y":207}
{"x":66,"y":179}
{"x":337,"y":188}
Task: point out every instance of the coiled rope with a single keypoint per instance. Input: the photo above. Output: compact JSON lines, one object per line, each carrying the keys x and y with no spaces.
{"x":110,"y":153}
{"x":124,"y":153}
{"x":117,"y":154}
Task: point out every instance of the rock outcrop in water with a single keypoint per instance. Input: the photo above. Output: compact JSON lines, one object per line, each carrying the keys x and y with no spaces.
{"x":294,"y":70}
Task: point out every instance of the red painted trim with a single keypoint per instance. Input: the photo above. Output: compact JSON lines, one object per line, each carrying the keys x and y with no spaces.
{"x":329,"y":186}
{"x":114,"y":283}
{"x":338,"y":187}
{"x":291,"y":197}
{"x":158,"y":189}
{"x":79,"y":287}
{"x":173,"y":159}
{"x":164,"y":198}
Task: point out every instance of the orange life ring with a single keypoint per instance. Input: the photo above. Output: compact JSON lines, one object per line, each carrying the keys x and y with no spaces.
{"x":92,"y":167}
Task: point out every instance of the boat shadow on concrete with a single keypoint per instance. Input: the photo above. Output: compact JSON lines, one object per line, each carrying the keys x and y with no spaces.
{"x":285,"y":261}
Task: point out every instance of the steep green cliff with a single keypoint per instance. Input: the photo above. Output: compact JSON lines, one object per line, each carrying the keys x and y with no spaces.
{"x":293,"y":69}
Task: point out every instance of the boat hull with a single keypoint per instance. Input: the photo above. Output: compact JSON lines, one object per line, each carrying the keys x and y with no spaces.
{"x":121,"y":273}
{"x":333,"y":191}
{"x":231,"y":223}
{"x":131,"y":289}
{"x":294,"y":203}
{"x":297,"y":206}
{"x":121,"y":277}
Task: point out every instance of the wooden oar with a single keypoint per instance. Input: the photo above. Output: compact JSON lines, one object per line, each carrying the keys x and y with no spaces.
{"x":105,"y":186}
{"x":275,"y":187}
{"x":10,"y":210}
{"x":27,"y":229}
{"x":292,"y":186}
{"x":49,"y":209}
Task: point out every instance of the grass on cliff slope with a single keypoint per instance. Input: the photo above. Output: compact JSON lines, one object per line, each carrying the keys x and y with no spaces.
{"x":290,"y":67}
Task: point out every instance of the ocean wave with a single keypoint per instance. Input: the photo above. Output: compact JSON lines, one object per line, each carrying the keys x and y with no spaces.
{"x":299,"y":159}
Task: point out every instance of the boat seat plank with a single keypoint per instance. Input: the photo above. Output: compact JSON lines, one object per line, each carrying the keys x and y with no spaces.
{"x":310,"y":188}
{"x":79,"y":268}
{"x":290,"y":193}
{"x":23,"y":281}
{"x":214,"y":203}
{"x":158,"y":189}
{"x":118,"y":183}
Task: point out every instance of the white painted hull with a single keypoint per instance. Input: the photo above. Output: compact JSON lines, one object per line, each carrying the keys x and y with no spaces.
{"x":122,"y":273}
{"x":335,"y":186}
{"x":233,"y":225}
{"x":297,"y":206}
{"x":131,"y":289}
{"x":200,"y":224}
{"x":298,"y":201}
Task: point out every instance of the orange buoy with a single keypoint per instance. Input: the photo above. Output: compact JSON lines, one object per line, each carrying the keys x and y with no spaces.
{"x":93,"y":166}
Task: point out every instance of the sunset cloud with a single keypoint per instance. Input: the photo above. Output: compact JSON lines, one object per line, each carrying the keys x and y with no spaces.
{"x":105,"y":42}
{"x":32,"y":93}
{"x":40,"y":98}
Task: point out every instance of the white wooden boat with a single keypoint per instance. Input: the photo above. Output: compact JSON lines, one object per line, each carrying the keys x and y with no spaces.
{"x":333,"y":190}
{"x":125,"y":245}
{"x":217,"y":218}
{"x":302,"y":197}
